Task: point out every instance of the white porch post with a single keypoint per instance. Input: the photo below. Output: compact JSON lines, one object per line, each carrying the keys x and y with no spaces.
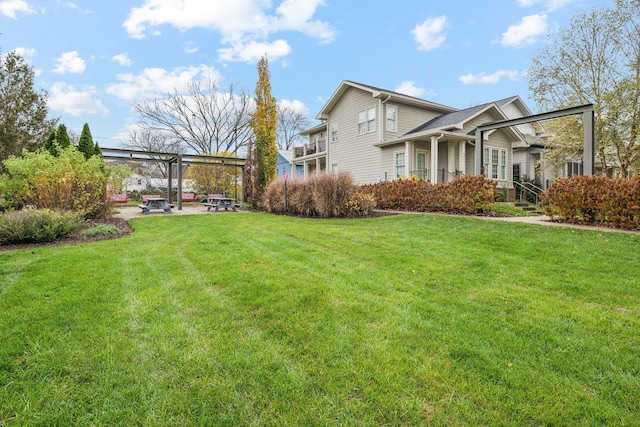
{"x":407,"y":158}
{"x":451,"y":159}
{"x":434,"y":159}
{"x":462,"y":153}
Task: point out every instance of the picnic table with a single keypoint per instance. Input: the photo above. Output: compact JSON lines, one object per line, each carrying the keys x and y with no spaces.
{"x":221,"y":202}
{"x":155,"y":203}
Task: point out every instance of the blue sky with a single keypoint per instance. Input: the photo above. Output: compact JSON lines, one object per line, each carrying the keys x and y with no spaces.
{"x":97,"y":58}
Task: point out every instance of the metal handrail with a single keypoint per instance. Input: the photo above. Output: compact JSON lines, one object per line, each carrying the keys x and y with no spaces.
{"x":524,"y":187}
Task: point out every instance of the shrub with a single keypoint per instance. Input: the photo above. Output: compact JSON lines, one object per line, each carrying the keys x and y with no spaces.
{"x":467,"y":194}
{"x":360,"y":204}
{"x":37,"y":226}
{"x":68,"y":182}
{"x":325,"y":196}
{"x":589,"y":199}
{"x":101,"y":230}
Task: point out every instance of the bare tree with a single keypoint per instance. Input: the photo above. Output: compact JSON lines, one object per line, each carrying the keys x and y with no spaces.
{"x":290,"y":124}
{"x":154,"y":141}
{"x":204,"y":120}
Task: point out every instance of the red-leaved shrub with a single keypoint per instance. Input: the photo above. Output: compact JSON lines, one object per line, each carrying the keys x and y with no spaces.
{"x":590,"y":199}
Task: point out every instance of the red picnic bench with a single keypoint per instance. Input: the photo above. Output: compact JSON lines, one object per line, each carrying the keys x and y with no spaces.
{"x":189,"y":197}
{"x":120,"y":198}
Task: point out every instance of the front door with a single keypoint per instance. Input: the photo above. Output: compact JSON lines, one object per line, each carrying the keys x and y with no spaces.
{"x":422,"y":171}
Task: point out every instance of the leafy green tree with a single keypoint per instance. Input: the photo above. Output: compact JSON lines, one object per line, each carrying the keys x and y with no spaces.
{"x":23,"y":110}
{"x":595,"y":60}
{"x":85,"y":144}
{"x":264,"y":123}
{"x":214,"y":178}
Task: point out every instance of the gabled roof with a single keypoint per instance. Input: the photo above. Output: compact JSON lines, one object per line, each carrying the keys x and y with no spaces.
{"x":380,"y":93}
{"x":455,"y":120}
{"x":286,"y":154}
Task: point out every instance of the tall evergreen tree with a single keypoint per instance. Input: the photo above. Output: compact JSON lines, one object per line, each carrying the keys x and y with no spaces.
{"x":62,"y":137}
{"x":50,"y":143}
{"x":85,"y":144}
{"x":264,"y":122}
{"x":97,"y":151}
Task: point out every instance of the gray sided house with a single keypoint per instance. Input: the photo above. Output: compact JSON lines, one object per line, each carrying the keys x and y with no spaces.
{"x":378,"y":135}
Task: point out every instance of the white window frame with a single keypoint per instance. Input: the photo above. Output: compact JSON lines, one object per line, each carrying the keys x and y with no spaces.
{"x":495,"y":167}
{"x":366,"y":120}
{"x":397,"y":167}
{"x":334,"y":130}
{"x":426,"y":162}
{"x":391,"y":119}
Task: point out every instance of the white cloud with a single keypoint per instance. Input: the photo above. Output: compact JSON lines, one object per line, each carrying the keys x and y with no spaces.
{"x":296,"y":105}
{"x":429,"y":35}
{"x":251,"y":52}
{"x":25,"y":52}
{"x":243,"y":24}
{"x":409,"y":88}
{"x":153,"y":82}
{"x":191,"y":47}
{"x":11,"y":8}
{"x":526,"y":32}
{"x":122,"y":59}
{"x":66,"y":98}
{"x":551,"y":5}
{"x":494,"y":78}
{"x":70,"y":62}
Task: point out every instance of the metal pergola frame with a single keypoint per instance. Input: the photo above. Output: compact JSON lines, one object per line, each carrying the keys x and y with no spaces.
{"x":588,"y":121}
{"x":170,"y":159}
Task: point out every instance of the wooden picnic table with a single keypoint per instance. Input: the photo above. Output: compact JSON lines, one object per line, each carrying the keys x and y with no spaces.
{"x":221,"y":202}
{"x":156,"y":203}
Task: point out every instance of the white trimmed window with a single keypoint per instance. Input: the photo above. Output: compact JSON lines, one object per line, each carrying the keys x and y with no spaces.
{"x":367,"y":120}
{"x":399,"y":163}
{"x":334,"y":130}
{"x":495,"y":163}
{"x":392,"y":118}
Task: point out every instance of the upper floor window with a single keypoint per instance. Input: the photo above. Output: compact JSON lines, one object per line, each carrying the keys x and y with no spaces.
{"x":367,"y":120}
{"x":392,"y":118}
{"x":334,"y":131}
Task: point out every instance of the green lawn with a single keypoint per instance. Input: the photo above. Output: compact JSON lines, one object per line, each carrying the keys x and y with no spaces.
{"x":252,"y":319}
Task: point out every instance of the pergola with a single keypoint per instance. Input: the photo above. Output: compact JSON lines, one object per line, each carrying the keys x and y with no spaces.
{"x":171,"y":159}
{"x":588,"y":136}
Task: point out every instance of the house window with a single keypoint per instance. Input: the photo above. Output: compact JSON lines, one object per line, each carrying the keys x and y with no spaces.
{"x":334,"y":131}
{"x":399,"y":163}
{"x":367,"y":121}
{"x":574,"y":168}
{"x":334,"y":168}
{"x":495,"y":163}
{"x":392,"y":117}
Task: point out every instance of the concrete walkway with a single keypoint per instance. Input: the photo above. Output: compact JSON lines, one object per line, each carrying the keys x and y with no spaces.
{"x":545,"y":220}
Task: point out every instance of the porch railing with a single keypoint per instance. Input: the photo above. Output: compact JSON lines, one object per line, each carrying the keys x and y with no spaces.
{"x":320,"y":146}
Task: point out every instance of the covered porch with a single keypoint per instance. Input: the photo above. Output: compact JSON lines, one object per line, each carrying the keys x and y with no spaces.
{"x":437,"y":157}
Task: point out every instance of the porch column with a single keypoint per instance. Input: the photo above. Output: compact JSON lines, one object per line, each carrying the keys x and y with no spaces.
{"x":434,"y":159}
{"x":451,"y":159}
{"x":462,"y":160}
{"x":408,"y":155}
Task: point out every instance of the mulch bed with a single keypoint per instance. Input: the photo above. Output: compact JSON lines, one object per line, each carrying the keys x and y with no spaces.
{"x":119,"y":223}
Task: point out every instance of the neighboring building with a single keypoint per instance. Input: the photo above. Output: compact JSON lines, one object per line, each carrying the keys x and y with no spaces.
{"x":284,"y":165}
{"x":379,"y":135}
